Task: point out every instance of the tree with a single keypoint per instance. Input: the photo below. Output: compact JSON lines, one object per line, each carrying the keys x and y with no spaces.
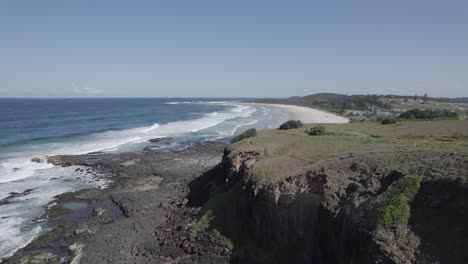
{"x":425,"y":97}
{"x":415,"y":97}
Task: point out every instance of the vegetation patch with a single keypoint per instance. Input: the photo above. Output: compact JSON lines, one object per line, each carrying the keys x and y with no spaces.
{"x":428,"y":114}
{"x":252,"y":132}
{"x":203,"y":223}
{"x":355,"y":166}
{"x":317,"y":131}
{"x":226,"y":230}
{"x":337,"y":103}
{"x":291,"y":124}
{"x":395,"y":209}
{"x":225,"y":240}
{"x":388,"y":120}
{"x":284,"y":153}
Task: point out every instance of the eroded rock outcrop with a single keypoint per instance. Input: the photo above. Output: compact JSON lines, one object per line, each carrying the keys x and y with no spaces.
{"x":329,"y":215}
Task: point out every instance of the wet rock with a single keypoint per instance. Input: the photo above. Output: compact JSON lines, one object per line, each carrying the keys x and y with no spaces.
{"x":84,"y":230}
{"x":36,"y":160}
{"x":156,"y":140}
{"x":40,"y":258}
{"x":98,"y":211}
{"x":13,"y":195}
{"x":139,"y":218}
{"x":76,"y":252}
{"x":55,"y":211}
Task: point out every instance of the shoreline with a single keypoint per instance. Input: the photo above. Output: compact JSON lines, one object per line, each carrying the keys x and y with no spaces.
{"x":149,"y":194}
{"x":306,"y":114}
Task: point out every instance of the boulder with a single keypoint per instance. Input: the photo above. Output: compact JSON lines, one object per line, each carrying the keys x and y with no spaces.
{"x":36,"y":160}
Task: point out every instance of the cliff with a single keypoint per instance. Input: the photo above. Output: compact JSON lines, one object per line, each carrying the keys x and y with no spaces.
{"x":363,"y":193}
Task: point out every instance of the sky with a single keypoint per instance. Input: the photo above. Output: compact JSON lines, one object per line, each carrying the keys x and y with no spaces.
{"x":236,"y":48}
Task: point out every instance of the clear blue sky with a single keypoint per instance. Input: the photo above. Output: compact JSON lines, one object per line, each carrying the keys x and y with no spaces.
{"x":232,"y":48}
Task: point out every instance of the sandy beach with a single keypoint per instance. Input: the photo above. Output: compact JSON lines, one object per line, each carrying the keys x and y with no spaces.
{"x":309,"y":115}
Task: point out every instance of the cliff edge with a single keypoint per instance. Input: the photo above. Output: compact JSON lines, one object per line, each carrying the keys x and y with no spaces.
{"x":360,"y":193}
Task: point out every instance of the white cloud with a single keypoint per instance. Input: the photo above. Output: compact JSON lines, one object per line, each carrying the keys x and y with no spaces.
{"x":85,"y":90}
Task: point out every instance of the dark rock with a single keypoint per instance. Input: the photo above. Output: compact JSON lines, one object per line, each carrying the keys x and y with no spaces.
{"x":137,"y":219}
{"x":156,"y":140}
{"x":96,"y":153}
{"x":36,"y":160}
{"x":14,"y":195}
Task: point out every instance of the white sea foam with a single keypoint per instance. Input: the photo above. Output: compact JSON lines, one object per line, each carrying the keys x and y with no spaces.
{"x":153,"y":127}
{"x":18,"y":173}
{"x":19,"y":166}
{"x":17,"y":237}
{"x":16,"y":226}
{"x":242,"y":125}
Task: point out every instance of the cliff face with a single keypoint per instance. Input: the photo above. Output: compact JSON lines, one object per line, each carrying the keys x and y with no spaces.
{"x":328,"y":215}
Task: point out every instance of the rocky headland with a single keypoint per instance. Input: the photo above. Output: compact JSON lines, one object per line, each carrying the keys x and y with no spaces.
{"x":358,"y":193}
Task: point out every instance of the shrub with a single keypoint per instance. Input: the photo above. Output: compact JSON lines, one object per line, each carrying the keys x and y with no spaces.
{"x":355,"y":166}
{"x":388,"y":120}
{"x":317,"y":131}
{"x":203,"y":223}
{"x":428,"y":114}
{"x":244,"y":135}
{"x":395,"y":209}
{"x":409,"y":186}
{"x":291,"y":124}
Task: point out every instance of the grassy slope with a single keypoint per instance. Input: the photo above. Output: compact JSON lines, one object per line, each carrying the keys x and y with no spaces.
{"x":403,"y":146}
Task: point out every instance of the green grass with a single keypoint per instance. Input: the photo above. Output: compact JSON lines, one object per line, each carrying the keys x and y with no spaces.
{"x":226,"y":230}
{"x":225,"y":239}
{"x":284,"y":153}
{"x":395,"y":209}
{"x":203,"y":223}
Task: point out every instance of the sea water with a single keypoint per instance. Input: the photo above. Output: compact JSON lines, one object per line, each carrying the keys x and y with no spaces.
{"x":38,"y":128}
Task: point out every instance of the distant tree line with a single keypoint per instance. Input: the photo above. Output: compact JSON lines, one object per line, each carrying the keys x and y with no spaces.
{"x":339,"y":102}
{"x":333,"y":102}
{"x":425,"y":98}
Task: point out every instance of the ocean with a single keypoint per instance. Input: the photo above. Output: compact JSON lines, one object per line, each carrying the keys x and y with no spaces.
{"x":38,"y":128}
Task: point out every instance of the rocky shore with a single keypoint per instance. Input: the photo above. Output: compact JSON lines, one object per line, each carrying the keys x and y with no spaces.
{"x":362,"y":193}
{"x":142,"y":217}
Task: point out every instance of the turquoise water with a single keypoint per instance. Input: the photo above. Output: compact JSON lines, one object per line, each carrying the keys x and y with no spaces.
{"x":37,"y":128}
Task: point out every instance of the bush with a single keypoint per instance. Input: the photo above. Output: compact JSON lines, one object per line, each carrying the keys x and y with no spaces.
{"x":355,"y":166}
{"x":395,"y":209}
{"x":428,"y":114}
{"x":388,"y":120}
{"x":244,"y":135}
{"x":317,"y":131}
{"x":291,"y":124}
